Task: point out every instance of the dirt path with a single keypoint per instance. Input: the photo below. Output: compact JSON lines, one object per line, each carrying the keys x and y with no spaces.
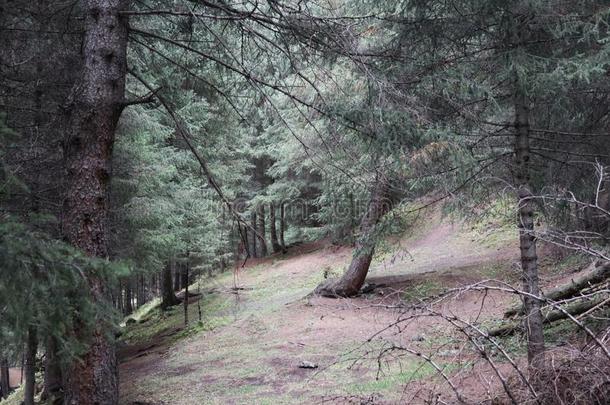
{"x":263,"y":333}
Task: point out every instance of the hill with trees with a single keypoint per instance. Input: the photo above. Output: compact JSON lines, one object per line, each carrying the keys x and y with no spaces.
{"x":154,"y":152}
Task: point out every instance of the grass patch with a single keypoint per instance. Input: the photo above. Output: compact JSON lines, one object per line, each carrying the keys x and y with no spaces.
{"x":422,"y":290}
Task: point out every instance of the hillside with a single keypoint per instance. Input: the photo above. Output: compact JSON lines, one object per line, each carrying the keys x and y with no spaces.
{"x":252,"y":340}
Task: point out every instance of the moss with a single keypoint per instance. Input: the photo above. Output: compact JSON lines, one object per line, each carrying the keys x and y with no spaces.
{"x":421,"y":290}
{"x":16,"y":397}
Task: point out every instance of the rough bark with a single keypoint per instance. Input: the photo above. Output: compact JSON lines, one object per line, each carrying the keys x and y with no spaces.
{"x":52,"y":391}
{"x":527,"y":240}
{"x":31,"y":349}
{"x":93,"y":112}
{"x":353,"y":279}
{"x":4,"y":382}
{"x":168,"y":297}
{"x":275,"y":245}
{"x":596,"y":273}
{"x":261,"y":231}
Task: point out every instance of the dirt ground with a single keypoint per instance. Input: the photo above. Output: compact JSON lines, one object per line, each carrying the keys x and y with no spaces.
{"x":251,"y":341}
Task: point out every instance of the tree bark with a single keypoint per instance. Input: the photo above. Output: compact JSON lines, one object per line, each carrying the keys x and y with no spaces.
{"x":52,"y":373}
{"x":168,"y":297}
{"x":527,"y":240}
{"x":96,"y":104}
{"x":4,"y":380}
{"x":261,"y":230}
{"x":353,"y":279}
{"x":30,"y":366}
{"x":273,"y":230}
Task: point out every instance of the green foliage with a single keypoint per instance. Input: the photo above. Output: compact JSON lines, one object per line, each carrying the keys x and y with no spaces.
{"x":44,"y":286}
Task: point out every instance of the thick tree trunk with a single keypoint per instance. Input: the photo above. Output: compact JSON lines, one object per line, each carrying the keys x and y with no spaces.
{"x":52,"y":373}
{"x":353,"y":279}
{"x":4,"y":381}
{"x":96,"y":105}
{"x":273,"y":230}
{"x":168,"y":296}
{"x":261,"y":230}
{"x":282,"y":225}
{"x":527,"y":240}
{"x":31,"y":349}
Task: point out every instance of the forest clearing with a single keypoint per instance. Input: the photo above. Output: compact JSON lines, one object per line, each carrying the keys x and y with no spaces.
{"x":259,"y":336}
{"x":304,"y":201}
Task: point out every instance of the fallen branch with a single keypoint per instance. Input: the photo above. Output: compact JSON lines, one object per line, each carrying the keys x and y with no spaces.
{"x":594,"y":274}
{"x":552,"y":316}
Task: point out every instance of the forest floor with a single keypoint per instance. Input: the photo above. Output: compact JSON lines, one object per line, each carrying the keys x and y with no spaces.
{"x":248,"y":347}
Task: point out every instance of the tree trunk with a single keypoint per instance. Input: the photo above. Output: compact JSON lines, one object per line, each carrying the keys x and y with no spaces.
{"x":177,"y":276}
{"x":282,"y":226}
{"x":353,"y":279}
{"x":30,"y":367}
{"x":4,"y":381}
{"x":94,"y":110}
{"x":128,"y":307}
{"x":527,"y":240}
{"x":169,"y":297}
{"x":272,"y":229}
{"x":186,"y":290}
{"x":52,"y":373}
{"x":261,"y":230}
{"x":141,"y":292}
{"x":253,"y":242}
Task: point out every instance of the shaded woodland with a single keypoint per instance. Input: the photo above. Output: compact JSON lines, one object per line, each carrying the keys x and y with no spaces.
{"x":148,"y":146}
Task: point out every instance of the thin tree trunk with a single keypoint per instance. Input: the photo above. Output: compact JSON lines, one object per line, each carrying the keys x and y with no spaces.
{"x":282,"y":226}
{"x":168,"y":297}
{"x":30,"y":367}
{"x":177,"y":276}
{"x":128,"y":297}
{"x":253,"y":241}
{"x":94,"y":110}
{"x":261,"y":230}
{"x":353,"y":279}
{"x":4,"y":380}
{"x":186,"y":290}
{"x":527,"y":241}
{"x":52,"y":372}
{"x":272,"y":229}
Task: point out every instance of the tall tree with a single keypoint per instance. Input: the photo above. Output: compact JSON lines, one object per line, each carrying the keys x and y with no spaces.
{"x":93,"y":113}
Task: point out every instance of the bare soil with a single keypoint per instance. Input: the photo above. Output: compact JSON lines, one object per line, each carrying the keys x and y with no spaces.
{"x":269,"y":325}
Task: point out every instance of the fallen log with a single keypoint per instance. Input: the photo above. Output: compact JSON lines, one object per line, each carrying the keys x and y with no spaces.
{"x":574,"y":309}
{"x":595,"y":273}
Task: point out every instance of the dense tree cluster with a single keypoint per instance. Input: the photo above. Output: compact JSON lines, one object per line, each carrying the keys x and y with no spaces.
{"x":146,"y":143}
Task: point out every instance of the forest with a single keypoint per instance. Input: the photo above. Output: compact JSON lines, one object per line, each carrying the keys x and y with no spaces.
{"x":304,"y":201}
